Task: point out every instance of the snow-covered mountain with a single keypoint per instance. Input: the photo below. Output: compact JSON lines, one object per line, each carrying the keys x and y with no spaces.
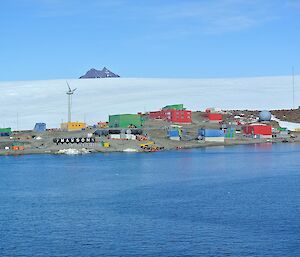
{"x":104,"y":73}
{"x":95,"y":99}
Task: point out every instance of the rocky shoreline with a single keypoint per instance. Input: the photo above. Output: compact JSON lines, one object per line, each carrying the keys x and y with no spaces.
{"x":123,"y":147}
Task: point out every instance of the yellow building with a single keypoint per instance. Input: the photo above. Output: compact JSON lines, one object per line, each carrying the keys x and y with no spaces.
{"x":73,"y":126}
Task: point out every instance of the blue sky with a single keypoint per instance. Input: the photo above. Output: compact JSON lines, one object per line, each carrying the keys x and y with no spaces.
{"x":52,"y":39}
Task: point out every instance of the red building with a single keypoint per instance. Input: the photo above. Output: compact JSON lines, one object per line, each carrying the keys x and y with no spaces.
{"x":215,"y":117}
{"x":157,"y":115}
{"x":175,"y":116}
{"x":258,"y":129}
{"x":178,"y":116}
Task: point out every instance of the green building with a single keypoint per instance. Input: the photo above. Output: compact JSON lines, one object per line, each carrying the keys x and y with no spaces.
{"x":125,"y":121}
{"x":174,"y":107}
{"x":5,"y":130}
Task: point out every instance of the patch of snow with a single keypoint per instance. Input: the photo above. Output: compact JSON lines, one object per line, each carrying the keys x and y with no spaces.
{"x":130,"y":150}
{"x":292,"y":126}
{"x":71,"y":151}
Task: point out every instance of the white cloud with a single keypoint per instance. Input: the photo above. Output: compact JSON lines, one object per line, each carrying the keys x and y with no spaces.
{"x":193,"y":16}
{"x":218,"y":16}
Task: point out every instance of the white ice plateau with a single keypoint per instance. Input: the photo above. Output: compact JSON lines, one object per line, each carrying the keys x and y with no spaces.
{"x":23,"y":103}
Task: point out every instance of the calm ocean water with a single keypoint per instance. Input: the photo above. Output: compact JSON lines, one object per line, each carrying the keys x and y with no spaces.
{"x":234,"y":201}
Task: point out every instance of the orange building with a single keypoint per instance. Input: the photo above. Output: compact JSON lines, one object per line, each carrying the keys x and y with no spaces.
{"x":73,"y":126}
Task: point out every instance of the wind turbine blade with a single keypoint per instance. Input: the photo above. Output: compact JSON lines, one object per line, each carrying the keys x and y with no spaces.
{"x":68,"y":86}
{"x":74,"y":90}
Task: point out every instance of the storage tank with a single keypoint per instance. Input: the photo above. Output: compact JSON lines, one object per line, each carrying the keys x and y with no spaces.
{"x":265,"y":116}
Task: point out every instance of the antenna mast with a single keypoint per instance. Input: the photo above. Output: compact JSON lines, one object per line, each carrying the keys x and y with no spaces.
{"x":293,"y":73}
{"x":17,"y":121}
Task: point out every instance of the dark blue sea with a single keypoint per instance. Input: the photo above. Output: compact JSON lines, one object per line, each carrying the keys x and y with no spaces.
{"x":232,"y":201}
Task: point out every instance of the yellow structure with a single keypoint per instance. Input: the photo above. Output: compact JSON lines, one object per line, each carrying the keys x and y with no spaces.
{"x":73,"y":126}
{"x":106,"y":144}
{"x":149,"y":143}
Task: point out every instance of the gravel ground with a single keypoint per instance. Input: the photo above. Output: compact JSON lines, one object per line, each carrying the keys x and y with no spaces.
{"x":156,"y":130}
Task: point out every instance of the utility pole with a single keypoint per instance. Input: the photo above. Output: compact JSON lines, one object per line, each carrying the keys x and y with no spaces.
{"x":17,"y":121}
{"x":293,"y":72}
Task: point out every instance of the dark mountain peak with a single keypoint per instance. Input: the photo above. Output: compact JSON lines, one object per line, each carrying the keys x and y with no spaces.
{"x":104,"y":73}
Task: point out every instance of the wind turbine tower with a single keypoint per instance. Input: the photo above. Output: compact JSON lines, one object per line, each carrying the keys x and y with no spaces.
{"x":70,"y":93}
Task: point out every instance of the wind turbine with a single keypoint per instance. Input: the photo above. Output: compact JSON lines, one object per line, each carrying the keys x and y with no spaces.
{"x":70,"y":94}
